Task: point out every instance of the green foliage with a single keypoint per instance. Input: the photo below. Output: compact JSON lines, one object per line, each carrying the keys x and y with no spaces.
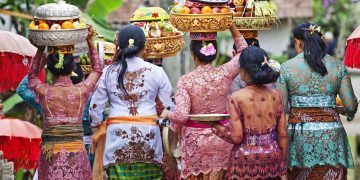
{"x":11,"y":102}
{"x":101,"y":8}
{"x":280,"y":59}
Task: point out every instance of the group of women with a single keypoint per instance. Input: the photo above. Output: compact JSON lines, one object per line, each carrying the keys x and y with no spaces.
{"x":256,"y":142}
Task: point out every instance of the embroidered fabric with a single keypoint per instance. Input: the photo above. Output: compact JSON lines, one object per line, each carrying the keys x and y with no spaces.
{"x":202,"y":152}
{"x":307,"y":147}
{"x":63,"y":104}
{"x":259,"y":155}
{"x":64,"y":165}
{"x":304,"y":87}
{"x":144,"y":83}
{"x":24,"y":92}
{"x":298,"y":83}
{"x":204,"y":91}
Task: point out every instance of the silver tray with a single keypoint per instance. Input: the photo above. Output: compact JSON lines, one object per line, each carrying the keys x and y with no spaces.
{"x":58,"y":37}
{"x":57,"y":11}
{"x":208,"y":117}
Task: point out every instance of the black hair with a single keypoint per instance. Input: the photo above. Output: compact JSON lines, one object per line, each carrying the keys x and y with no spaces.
{"x":252,"y":61}
{"x":80,"y":75}
{"x":67,"y":68}
{"x":250,"y":42}
{"x":195,"y":47}
{"x":127,"y":50}
{"x":314,"y":46}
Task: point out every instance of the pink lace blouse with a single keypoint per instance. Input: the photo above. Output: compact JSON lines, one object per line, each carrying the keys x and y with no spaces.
{"x":204,"y":91}
{"x":63,"y":102}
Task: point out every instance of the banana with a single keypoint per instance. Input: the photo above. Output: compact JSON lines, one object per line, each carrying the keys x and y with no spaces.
{"x":87,"y":60}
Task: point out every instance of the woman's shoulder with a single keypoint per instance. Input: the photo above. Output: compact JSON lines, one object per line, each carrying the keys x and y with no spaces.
{"x":292,"y":62}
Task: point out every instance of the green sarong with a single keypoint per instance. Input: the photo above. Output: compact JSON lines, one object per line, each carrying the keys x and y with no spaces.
{"x":135,"y":171}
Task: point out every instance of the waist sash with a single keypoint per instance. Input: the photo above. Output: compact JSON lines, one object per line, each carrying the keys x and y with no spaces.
{"x":253,"y":138}
{"x":145,"y":120}
{"x":62,"y":134}
{"x":301,"y":115}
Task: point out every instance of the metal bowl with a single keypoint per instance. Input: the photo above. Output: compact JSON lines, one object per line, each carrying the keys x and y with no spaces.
{"x":201,"y":22}
{"x":58,"y":37}
{"x":57,"y":11}
{"x":208,"y":117}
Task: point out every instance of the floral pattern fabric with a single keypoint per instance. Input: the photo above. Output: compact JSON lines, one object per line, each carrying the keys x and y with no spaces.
{"x":204,"y":91}
{"x":65,"y":165}
{"x":63,"y":104}
{"x":303,"y":88}
{"x":145,"y":84}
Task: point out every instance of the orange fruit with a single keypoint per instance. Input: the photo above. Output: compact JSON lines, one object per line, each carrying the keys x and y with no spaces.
{"x":224,"y":10}
{"x":185,"y":10}
{"x":41,"y":21}
{"x":43,"y":26}
{"x":32,"y":25}
{"x":206,"y":10}
{"x":338,"y":101}
{"x":67,"y":25}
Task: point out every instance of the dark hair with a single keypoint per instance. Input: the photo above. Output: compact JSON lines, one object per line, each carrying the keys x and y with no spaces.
{"x":126,"y":50}
{"x":80,"y":75}
{"x":250,"y":42}
{"x":68,"y":65}
{"x":314,"y":46}
{"x":195,"y":47}
{"x":251,"y":60}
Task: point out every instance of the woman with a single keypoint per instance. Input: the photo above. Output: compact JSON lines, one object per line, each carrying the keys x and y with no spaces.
{"x":310,"y":82}
{"x":133,"y":148}
{"x":260,"y":141}
{"x":63,"y":155}
{"x":204,"y":91}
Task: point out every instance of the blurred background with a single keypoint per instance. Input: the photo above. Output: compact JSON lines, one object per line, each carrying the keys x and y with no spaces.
{"x":338,"y":18}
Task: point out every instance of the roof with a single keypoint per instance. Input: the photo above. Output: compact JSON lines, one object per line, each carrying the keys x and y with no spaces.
{"x":294,"y":8}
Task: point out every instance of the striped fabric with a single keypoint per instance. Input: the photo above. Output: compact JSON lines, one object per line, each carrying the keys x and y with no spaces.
{"x":135,"y":171}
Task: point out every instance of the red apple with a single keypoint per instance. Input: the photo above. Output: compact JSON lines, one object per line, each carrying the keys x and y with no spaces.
{"x":49,"y":22}
{"x":195,"y":10}
{"x":216,"y":10}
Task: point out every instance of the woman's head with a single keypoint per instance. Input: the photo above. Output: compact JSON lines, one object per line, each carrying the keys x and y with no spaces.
{"x":254,"y":66}
{"x":308,"y":39}
{"x":60,"y":64}
{"x":131,"y":42}
{"x":203,"y":51}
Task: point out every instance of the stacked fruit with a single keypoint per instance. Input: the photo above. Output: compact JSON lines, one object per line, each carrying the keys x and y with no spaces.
{"x":158,"y":29}
{"x":57,"y":24}
{"x":253,"y":8}
{"x":84,"y":59}
{"x":193,"y":7}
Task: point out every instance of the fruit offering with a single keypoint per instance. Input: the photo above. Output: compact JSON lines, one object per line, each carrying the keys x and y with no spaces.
{"x":163,"y":39}
{"x":201,"y":7}
{"x":106,"y":50}
{"x":253,"y":8}
{"x":158,"y":29}
{"x":57,"y":24}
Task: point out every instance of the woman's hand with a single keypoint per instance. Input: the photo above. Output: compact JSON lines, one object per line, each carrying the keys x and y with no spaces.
{"x":165,"y":114}
{"x":91,"y":33}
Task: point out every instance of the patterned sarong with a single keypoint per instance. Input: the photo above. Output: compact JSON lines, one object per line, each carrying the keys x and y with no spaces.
{"x":135,"y":171}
